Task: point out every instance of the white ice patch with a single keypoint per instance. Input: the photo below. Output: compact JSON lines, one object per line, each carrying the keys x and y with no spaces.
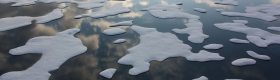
{"x":243,"y":62}
{"x":113,"y":31}
{"x":119,"y":41}
{"x":201,"y":78}
{"x":113,"y":10}
{"x":220,"y":10}
{"x":227,"y":2}
{"x":55,"y":51}
{"x":265,"y":12}
{"x":123,"y":23}
{"x":274,"y":28}
{"x":241,"y":21}
{"x":20,"y":21}
{"x":159,"y":46}
{"x":255,"y":55}
{"x":213,"y":46}
{"x":200,"y":10}
{"x":257,"y":36}
{"x":235,"y":40}
{"x":108,"y":73}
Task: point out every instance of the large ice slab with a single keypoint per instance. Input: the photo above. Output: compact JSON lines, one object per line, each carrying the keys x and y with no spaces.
{"x":241,"y":21}
{"x":113,"y":31}
{"x":265,"y":12}
{"x":274,"y":28}
{"x":200,"y":10}
{"x":113,"y":10}
{"x":123,"y":23}
{"x":159,"y":46}
{"x":119,"y":41}
{"x":201,"y":78}
{"x":108,"y":73}
{"x":257,"y":36}
{"x":227,"y":2}
{"x":20,"y":21}
{"x":235,"y":40}
{"x":255,"y":55}
{"x":243,"y":62}
{"x":55,"y":51}
{"x":213,"y":46}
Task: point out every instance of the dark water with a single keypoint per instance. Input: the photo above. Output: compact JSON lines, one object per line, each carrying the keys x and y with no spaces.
{"x":102,"y":54}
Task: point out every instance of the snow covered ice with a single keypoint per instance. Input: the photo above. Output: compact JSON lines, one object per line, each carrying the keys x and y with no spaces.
{"x":201,"y":78}
{"x":255,"y":55}
{"x":235,"y":40}
{"x":200,"y":10}
{"x":227,"y":2}
{"x":213,"y":46}
{"x":123,"y":23}
{"x":241,"y":21}
{"x":108,"y":73}
{"x":159,"y":46}
{"x":119,"y":41}
{"x":243,"y":62}
{"x":113,"y":31}
{"x":55,"y":51}
{"x":274,"y":28}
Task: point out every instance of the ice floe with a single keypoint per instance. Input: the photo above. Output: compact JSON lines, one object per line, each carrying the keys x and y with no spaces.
{"x":119,"y":41}
{"x":255,"y":55}
{"x":179,"y":3}
{"x":159,"y":46}
{"x":241,"y":21}
{"x":20,"y":21}
{"x":235,"y":40}
{"x":274,"y":28}
{"x":123,"y":23}
{"x":55,"y":51}
{"x":265,"y":12}
{"x":201,"y":78}
{"x":108,"y":73}
{"x":257,"y":36}
{"x":220,"y":10}
{"x":243,"y":62}
{"x":213,"y":46}
{"x":227,"y":2}
{"x":113,"y":10}
{"x":113,"y":31}
{"x":200,"y":10}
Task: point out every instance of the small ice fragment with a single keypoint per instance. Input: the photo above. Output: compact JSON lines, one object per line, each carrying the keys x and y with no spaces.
{"x":274,"y":28}
{"x":227,"y":2}
{"x":220,"y":10}
{"x":213,"y":46}
{"x":123,"y":23}
{"x":55,"y":14}
{"x":119,"y":41}
{"x":243,"y":62}
{"x":113,"y":31}
{"x":179,"y":3}
{"x":108,"y":73}
{"x":200,"y":10}
{"x":241,"y":21}
{"x":201,"y":78}
{"x":255,"y":55}
{"x":235,"y":40}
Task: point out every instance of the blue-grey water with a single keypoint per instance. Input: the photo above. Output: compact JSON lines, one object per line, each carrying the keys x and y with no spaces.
{"x":102,"y":54}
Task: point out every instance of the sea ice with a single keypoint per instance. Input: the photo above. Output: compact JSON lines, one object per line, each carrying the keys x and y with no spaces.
{"x":179,"y":3}
{"x":255,"y":55}
{"x":213,"y":46}
{"x":123,"y":23}
{"x":235,"y":40}
{"x":257,"y":36}
{"x":113,"y":10}
{"x":55,"y":51}
{"x":113,"y":31}
{"x":108,"y":73}
{"x":201,"y":78}
{"x":159,"y":46}
{"x":243,"y":62}
{"x":220,"y":10}
{"x":274,"y":28}
{"x":16,"y":22}
{"x":241,"y":21}
{"x":227,"y":2}
{"x":119,"y":41}
{"x":200,"y":10}
{"x":265,"y":12}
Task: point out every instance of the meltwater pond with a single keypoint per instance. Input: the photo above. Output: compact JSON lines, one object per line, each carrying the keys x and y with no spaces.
{"x":102,"y":53}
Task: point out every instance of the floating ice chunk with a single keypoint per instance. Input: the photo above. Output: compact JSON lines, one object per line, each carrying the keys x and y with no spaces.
{"x":179,"y":3}
{"x":213,"y":46}
{"x":108,"y":73}
{"x":274,"y":28}
{"x":255,"y":55}
{"x":265,"y":12}
{"x":23,"y":2}
{"x":123,"y":23}
{"x":114,"y":10}
{"x":159,"y":46}
{"x":90,"y":4}
{"x":55,"y":51}
{"x":201,"y":78}
{"x":200,"y":10}
{"x":119,"y":41}
{"x":243,"y":62}
{"x":113,"y":31}
{"x":255,"y":35}
{"x":220,"y":10}
{"x":20,"y":21}
{"x":227,"y":2}
{"x":234,"y":40}
{"x":241,"y":21}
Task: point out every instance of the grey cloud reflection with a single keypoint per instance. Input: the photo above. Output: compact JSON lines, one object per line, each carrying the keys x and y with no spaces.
{"x":143,"y":3}
{"x":275,"y":1}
